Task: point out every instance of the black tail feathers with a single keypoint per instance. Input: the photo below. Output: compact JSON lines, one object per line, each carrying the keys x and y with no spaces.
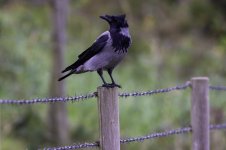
{"x":70,"y":73}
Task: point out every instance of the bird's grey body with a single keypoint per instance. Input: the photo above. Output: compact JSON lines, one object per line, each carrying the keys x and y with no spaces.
{"x":106,"y":52}
{"x":107,"y":59}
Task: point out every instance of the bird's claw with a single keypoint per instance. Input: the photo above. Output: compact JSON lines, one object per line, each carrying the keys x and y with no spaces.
{"x":111,"y":85}
{"x":116,"y":85}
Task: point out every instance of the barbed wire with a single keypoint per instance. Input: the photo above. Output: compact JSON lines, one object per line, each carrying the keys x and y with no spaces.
{"x":217,"y":88}
{"x":94,"y":94}
{"x":168,"y":133}
{"x":183,"y":130}
{"x":49,"y":100}
{"x":88,"y":96}
{"x":157,"y":91}
{"x":78,"y":146}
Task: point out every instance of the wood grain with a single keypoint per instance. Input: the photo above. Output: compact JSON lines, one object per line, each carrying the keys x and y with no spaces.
{"x":109,"y":118}
{"x":200,"y":113}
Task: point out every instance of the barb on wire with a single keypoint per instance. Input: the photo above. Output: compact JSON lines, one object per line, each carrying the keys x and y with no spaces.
{"x":217,"y":88}
{"x":140,"y":138}
{"x":165,"y":90}
{"x":49,"y":100}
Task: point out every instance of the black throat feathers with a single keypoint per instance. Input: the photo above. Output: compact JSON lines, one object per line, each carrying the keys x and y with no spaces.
{"x":120,"y":42}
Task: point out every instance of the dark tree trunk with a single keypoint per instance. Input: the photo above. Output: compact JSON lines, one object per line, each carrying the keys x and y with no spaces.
{"x":57,"y":115}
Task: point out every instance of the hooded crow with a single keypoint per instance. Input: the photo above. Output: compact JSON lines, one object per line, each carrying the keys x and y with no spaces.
{"x":106,"y":52}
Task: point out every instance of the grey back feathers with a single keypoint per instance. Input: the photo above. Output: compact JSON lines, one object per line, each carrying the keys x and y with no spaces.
{"x":96,"y":47}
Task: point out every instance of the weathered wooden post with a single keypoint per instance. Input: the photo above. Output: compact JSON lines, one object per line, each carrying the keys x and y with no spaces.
{"x":108,"y":118}
{"x":200,"y":113}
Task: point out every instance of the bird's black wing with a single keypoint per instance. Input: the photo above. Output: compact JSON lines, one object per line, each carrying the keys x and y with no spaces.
{"x":95,"y":48}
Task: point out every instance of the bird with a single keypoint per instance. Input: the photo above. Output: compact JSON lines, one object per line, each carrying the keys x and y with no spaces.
{"x":107,"y":51}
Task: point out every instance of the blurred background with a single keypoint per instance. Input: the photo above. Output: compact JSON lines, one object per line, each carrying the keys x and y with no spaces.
{"x":173,"y":40}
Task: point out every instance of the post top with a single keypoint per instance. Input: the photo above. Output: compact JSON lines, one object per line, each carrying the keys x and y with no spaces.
{"x":107,"y":88}
{"x":200,"y":78}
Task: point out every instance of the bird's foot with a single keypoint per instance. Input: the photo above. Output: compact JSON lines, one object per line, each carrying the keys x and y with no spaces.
{"x":116,"y":85}
{"x":111,"y":85}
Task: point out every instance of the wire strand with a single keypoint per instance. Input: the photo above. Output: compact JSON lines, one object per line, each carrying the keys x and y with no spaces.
{"x":88,"y":96}
{"x":168,"y":133}
{"x":217,"y":88}
{"x":157,"y":91}
{"x":94,"y":94}
{"x":183,"y":130}
{"x":78,"y":146}
{"x":49,"y":100}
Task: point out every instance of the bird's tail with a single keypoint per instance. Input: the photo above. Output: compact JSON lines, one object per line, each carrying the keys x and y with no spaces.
{"x":65,"y":76}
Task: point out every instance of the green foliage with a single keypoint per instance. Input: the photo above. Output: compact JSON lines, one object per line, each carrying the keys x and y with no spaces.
{"x":172,"y":42}
{"x":209,"y":18}
{"x":24,"y":44}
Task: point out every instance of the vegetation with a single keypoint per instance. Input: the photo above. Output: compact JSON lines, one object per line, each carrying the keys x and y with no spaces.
{"x":172,"y":42}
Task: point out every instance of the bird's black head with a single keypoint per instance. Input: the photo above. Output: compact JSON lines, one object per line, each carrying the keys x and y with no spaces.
{"x":116,"y":21}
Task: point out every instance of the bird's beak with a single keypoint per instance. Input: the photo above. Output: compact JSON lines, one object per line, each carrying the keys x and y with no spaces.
{"x":106,"y":17}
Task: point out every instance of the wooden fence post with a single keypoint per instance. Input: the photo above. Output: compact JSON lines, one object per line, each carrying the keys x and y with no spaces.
{"x":200,"y":113}
{"x":108,"y":118}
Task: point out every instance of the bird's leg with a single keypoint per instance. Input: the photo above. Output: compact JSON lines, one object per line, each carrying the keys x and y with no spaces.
{"x":100,"y":72}
{"x":113,"y":82}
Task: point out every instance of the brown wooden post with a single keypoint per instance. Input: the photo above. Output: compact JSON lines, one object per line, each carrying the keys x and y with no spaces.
{"x":109,"y":118}
{"x":200,"y":113}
